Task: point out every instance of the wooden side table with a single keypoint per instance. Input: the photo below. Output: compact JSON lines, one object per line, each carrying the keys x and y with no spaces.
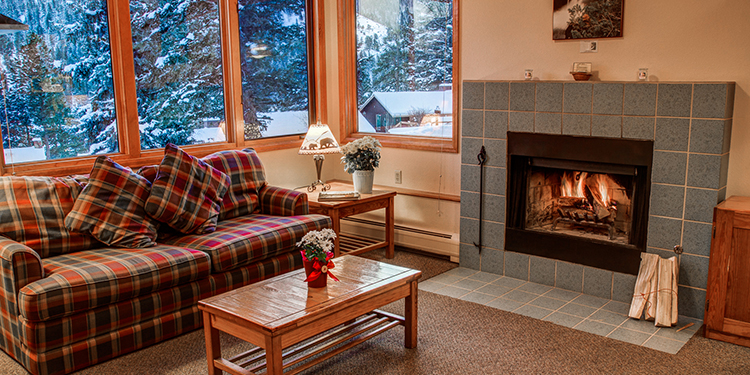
{"x":347,"y":243}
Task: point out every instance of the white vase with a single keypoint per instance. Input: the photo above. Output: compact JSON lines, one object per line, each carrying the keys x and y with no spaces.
{"x":363,"y":181}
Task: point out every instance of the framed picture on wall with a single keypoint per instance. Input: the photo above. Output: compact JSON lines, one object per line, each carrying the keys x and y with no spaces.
{"x":586,"y":19}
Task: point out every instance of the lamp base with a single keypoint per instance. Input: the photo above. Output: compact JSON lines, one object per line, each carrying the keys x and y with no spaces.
{"x":315,"y":184}
{"x":319,"y":168}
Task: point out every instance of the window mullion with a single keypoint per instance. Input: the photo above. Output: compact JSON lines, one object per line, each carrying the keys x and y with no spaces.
{"x":230,"y":48}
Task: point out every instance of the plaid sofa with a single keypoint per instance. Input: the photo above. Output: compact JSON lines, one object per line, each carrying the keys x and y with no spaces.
{"x":69,"y":302}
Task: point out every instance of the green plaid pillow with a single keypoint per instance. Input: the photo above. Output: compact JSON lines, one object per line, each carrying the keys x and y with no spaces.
{"x":110,"y":207}
{"x":187,"y":192}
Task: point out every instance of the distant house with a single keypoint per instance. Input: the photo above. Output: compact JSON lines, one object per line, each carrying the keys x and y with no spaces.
{"x":388,"y":110}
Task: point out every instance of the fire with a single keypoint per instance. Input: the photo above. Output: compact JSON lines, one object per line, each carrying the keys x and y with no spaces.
{"x":601,"y":181}
{"x":574,"y":185}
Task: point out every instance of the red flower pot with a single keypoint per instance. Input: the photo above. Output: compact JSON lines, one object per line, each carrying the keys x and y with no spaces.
{"x":319,"y":282}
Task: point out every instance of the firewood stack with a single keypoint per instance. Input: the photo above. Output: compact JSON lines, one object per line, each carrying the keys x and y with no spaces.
{"x":656,"y":290}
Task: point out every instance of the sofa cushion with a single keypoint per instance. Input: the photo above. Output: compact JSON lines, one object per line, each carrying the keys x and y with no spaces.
{"x":110,"y":208}
{"x":85,"y":280}
{"x":246,"y":239}
{"x":248,"y":177}
{"x":187,"y":192}
{"x":33,"y":209}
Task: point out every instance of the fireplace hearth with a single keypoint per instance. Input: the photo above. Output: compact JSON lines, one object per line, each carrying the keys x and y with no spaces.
{"x":579,"y":199}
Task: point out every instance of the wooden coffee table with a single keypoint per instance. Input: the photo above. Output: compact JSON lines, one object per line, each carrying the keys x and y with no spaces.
{"x":280,"y":312}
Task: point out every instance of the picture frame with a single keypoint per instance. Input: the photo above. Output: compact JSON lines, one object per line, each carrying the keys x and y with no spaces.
{"x":587,"y":19}
{"x":582,"y":67}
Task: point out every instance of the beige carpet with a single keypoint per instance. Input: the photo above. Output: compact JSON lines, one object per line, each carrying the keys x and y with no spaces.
{"x":458,"y":337}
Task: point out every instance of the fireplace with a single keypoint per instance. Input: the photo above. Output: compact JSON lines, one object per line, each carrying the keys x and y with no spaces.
{"x":579,"y":199}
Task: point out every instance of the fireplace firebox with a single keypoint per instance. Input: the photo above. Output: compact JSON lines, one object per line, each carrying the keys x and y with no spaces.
{"x":579,"y":199}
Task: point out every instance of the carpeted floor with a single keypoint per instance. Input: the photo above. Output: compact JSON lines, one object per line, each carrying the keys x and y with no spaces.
{"x":457,"y":337}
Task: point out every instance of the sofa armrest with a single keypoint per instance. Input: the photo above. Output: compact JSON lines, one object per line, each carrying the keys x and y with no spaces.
{"x":19,"y":266}
{"x":280,"y":201}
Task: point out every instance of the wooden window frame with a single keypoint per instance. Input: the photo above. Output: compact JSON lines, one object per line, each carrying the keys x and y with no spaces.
{"x":347,"y":53}
{"x":126,"y":101}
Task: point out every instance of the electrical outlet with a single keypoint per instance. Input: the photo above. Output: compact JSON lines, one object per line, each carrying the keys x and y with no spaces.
{"x":590,"y":46}
{"x":398,"y":176}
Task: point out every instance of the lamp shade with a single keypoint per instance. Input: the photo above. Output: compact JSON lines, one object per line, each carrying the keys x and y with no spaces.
{"x":9,"y":25}
{"x":319,"y":140}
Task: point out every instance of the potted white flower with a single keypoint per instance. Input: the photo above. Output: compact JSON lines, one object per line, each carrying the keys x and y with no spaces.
{"x":360,"y":159}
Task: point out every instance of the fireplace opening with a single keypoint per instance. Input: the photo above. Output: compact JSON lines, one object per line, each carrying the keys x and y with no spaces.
{"x":579,"y":199}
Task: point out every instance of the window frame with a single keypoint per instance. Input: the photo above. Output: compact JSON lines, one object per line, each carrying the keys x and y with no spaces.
{"x":347,"y":53}
{"x":126,"y":102}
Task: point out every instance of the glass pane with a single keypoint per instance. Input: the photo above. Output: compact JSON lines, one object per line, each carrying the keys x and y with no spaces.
{"x":273,"y":57}
{"x":405,"y":67}
{"x":177,"y":51}
{"x":58,"y":100}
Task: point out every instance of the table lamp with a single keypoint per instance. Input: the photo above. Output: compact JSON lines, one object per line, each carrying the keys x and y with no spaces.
{"x":319,"y":140}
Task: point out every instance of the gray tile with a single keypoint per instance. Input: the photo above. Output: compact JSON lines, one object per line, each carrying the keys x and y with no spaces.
{"x":535,"y":288}
{"x":608,"y":98}
{"x":468,"y":256}
{"x":496,"y":152}
{"x":638,"y":127}
{"x":723,"y":170}
{"x":577,"y":97}
{"x":494,"y":290}
{"x":727,"y":136}
{"x":521,"y":122}
{"x":496,"y":124}
{"x":487,"y":277}
{"x":639,"y":99}
{"x":429,"y":286}
{"x":549,"y":96}
{"x":617,"y":307}
{"x":591,"y":301}
{"x":548,"y":123}
{"x":664,"y":233}
{"x":504,"y":304}
{"x":623,"y":287}
{"x":691,"y":301}
{"x":730,"y":100}
{"x":633,"y":337}
{"x":452,"y":291}
{"x":666,"y":254}
{"x":699,"y":205}
{"x":496,"y":95}
{"x":577,"y":124}
{"x":494,"y":237}
{"x":509,"y":282}
{"x":532,"y":311}
{"x":470,"y":147}
{"x":577,"y":310}
{"x":520,"y":296}
{"x":494,"y":180}
{"x":669,"y":167}
{"x":569,"y":276}
{"x":479,"y":298}
{"x":664,"y":344}
{"x":672,"y":134}
{"x":446,"y":279}
{"x":492,"y":260}
{"x":682,"y":336}
{"x":640,"y":325}
{"x":710,"y":100}
{"x":469,"y":284}
{"x":607,"y":126}
{"x":542,"y":271}
{"x":522,"y":96}
{"x":470,"y":177}
{"x":707,"y":136}
{"x":516,"y":265}
{"x":564,"y":320}
{"x":608,"y":317}
{"x":548,"y":303}
{"x":473,"y":95}
{"x":469,"y":230}
{"x":596,"y":328}
{"x":694,"y":270}
{"x":469,"y":205}
{"x":494,"y":208}
{"x":704,"y":171}
{"x":696,"y":238}
{"x":674,"y":99}
{"x":562,"y":294}
{"x":597,"y":282}
{"x":472,"y":123}
{"x":666,"y":200}
{"x":461,"y":272}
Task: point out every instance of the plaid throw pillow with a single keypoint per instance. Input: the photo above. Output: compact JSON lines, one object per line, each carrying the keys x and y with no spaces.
{"x":187,"y":193}
{"x":246,"y":172}
{"x":110,"y":207}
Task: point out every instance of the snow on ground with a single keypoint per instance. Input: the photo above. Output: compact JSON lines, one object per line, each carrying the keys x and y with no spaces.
{"x":445,"y":131}
{"x":24,"y":154}
{"x":208,"y":135}
{"x":285,"y":123}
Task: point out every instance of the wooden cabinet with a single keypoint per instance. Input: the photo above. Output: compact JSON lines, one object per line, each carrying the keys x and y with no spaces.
{"x":727,"y":315}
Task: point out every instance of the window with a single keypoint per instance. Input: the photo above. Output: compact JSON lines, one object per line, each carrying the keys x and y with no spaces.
{"x":207,"y":74}
{"x":399,"y":66}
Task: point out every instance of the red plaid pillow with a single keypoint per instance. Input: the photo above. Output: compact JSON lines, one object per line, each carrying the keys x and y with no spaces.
{"x":246,"y":172}
{"x":187,"y":193}
{"x":110,"y":207}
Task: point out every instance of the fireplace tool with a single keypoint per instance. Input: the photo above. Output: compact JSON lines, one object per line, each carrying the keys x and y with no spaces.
{"x":481,"y":157}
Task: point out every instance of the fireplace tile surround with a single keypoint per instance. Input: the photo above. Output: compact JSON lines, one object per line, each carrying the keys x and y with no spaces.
{"x":690,"y":124}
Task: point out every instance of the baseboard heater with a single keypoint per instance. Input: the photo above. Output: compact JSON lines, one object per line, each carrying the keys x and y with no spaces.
{"x":399,"y":227}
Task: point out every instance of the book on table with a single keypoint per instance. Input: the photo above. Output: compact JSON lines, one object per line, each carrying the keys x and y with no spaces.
{"x":338,"y":196}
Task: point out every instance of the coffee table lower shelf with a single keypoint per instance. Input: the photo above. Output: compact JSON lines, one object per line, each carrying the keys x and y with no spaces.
{"x":317,"y":349}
